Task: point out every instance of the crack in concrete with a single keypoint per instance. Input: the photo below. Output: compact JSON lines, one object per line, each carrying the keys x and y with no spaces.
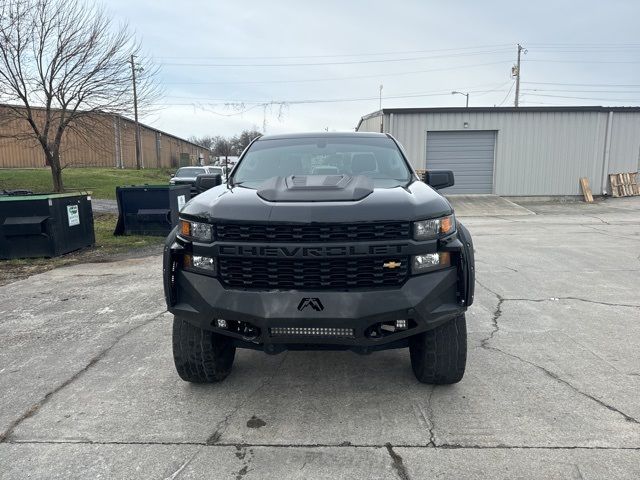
{"x":607,"y":234}
{"x":584,"y":347}
{"x":177,"y":472}
{"x":578,"y":472}
{"x":557,"y":378}
{"x":555,"y":299}
{"x":224,"y":423}
{"x":496,"y":265}
{"x":484,"y":343}
{"x":398,"y":464}
{"x":578,"y":299}
{"x":321,"y":445}
{"x":597,"y":218}
{"x":5,"y":436}
{"x":497,"y":313}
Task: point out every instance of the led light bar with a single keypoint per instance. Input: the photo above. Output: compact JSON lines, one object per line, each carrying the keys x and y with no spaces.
{"x":311,"y":332}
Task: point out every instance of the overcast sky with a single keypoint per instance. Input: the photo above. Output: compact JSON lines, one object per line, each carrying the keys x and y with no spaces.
{"x":419,"y":50}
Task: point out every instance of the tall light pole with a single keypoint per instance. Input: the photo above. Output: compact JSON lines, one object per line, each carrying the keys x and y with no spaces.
{"x":135,"y":112}
{"x":381,"y":114}
{"x":462,"y":93}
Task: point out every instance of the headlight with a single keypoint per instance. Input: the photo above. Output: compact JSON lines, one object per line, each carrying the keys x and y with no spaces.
{"x":430,"y":261}
{"x":434,"y":228}
{"x":198,"y":231}
{"x":198,"y":263}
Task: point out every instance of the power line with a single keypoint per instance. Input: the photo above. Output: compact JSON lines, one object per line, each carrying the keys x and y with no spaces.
{"x":583,"y":84}
{"x":221,"y":101}
{"x":352,"y":77}
{"x":584,"y":98}
{"x":538,"y":46}
{"x":557,"y":60}
{"x":429,"y":92}
{"x":339,"y":55}
{"x":578,"y":91}
{"x":590,"y":45}
{"x":314,"y":64}
{"x":507,"y":95}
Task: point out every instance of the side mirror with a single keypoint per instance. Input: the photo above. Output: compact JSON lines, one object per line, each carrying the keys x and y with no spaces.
{"x":206,"y":181}
{"x":439,"y":179}
{"x":173,"y":175}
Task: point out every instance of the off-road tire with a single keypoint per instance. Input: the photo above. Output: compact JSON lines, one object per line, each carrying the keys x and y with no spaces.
{"x":439,"y":356}
{"x":201,"y":356}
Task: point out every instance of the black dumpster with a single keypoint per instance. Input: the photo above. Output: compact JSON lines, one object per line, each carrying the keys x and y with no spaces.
{"x":45,"y":225}
{"x":150,"y":209}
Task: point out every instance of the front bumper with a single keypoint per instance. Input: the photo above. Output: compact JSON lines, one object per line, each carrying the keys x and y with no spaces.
{"x":426,"y":301}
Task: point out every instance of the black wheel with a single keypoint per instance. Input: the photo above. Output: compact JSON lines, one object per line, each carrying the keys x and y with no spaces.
{"x":201,"y":356}
{"x":439,"y":356}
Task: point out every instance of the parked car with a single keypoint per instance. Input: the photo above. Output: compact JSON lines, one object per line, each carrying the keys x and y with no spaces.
{"x":319,"y":242}
{"x":188,"y":175}
{"x":219,"y":170}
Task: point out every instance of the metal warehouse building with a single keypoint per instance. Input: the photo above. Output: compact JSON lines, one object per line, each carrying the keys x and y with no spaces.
{"x":517,"y":151}
{"x":109,"y":142}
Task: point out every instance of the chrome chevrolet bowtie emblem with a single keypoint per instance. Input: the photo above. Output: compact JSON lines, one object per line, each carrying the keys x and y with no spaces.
{"x":391,"y":264}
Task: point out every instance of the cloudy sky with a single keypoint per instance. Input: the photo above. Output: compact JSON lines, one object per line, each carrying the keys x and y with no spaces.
{"x":314,"y":65}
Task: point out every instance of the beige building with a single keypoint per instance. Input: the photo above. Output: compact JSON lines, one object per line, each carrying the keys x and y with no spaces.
{"x":109,"y":142}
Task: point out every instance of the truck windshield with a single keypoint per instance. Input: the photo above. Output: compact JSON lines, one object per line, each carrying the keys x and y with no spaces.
{"x":189,"y":172}
{"x":375,"y":157}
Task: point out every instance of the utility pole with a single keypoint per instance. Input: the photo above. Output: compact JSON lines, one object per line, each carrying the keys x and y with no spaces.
{"x":516,"y":72}
{"x":135,"y":111}
{"x":381,"y":114}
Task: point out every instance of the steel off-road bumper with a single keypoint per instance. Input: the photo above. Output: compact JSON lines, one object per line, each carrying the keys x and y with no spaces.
{"x":424,"y":301}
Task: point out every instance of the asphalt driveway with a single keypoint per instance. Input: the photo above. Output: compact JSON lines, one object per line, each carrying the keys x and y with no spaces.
{"x":552,"y":386}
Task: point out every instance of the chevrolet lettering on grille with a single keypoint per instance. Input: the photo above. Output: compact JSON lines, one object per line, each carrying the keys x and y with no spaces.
{"x":305,"y":252}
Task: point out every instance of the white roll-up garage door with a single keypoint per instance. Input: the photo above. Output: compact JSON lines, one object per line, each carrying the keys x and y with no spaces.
{"x":469,"y":154}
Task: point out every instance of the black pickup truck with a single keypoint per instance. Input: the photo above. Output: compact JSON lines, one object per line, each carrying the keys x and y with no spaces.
{"x":325,"y":241}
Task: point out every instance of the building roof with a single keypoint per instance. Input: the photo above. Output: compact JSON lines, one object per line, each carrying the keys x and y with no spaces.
{"x":122,"y":117}
{"x":586,"y":108}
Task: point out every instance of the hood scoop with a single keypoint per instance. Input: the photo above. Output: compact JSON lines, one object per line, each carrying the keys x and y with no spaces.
{"x":316,"y":188}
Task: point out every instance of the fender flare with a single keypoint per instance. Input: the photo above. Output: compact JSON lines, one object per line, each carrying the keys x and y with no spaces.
{"x":468,"y":265}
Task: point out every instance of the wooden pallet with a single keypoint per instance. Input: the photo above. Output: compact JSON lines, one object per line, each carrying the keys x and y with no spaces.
{"x":586,"y":190}
{"x":624,"y":184}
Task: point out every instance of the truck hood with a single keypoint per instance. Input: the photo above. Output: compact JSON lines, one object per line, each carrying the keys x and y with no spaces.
{"x":241,"y":204}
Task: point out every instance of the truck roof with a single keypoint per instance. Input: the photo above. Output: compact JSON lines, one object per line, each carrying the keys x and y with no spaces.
{"x":323,"y":135}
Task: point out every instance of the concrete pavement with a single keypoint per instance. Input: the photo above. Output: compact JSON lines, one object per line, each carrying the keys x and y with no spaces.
{"x":551,"y":389}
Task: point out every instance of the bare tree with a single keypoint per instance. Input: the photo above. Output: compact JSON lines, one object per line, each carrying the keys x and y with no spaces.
{"x":222,"y":147}
{"x":243,"y":140}
{"x":205,"y":141}
{"x":64,"y":66}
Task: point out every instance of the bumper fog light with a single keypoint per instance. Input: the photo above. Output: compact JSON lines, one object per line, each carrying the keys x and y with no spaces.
{"x":430,"y":261}
{"x":197,"y":262}
{"x":401,"y":324}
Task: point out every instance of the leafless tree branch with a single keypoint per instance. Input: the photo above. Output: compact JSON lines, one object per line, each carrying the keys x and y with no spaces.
{"x":63,"y":65}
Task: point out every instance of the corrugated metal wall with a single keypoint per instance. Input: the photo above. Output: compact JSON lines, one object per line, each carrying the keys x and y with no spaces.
{"x":370,"y":124}
{"x":110,"y":142}
{"x":625,"y":143}
{"x":537,"y":153}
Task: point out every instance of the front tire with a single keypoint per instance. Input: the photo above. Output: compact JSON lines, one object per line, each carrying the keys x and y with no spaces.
{"x":439,"y":356}
{"x":201,"y":356}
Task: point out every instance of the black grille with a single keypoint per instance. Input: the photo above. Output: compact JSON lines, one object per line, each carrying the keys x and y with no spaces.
{"x":329,"y":273}
{"x":316,"y":232}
